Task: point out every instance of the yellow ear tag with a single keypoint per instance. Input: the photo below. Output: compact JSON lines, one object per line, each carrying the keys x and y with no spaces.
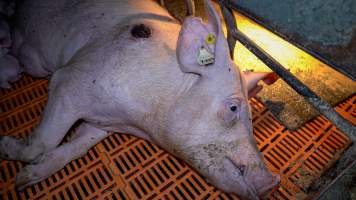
{"x":210,"y":39}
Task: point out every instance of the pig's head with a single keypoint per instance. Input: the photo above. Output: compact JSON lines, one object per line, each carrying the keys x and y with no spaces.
{"x":211,"y":123}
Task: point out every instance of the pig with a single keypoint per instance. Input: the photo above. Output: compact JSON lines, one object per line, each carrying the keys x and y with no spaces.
{"x":129,"y":66}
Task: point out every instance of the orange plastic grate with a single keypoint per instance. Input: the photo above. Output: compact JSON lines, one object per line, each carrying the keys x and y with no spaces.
{"x":125,"y":167}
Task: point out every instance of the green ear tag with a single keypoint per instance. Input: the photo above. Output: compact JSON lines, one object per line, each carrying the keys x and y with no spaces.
{"x":205,"y":57}
{"x":210,"y":39}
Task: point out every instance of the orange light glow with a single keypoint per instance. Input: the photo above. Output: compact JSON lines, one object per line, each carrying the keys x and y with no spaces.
{"x":287,"y":54}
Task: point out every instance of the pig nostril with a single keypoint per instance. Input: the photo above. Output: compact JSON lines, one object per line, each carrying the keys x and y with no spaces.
{"x":242,"y":168}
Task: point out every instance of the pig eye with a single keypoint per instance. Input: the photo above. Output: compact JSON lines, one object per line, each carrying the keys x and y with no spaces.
{"x":233,"y":105}
{"x":233,"y":108}
{"x":229,"y":111}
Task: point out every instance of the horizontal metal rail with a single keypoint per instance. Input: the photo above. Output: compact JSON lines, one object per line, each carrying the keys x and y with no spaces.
{"x":322,"y":106}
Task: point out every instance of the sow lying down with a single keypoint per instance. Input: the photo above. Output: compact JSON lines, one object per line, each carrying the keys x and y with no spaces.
{"x":129,"y":66}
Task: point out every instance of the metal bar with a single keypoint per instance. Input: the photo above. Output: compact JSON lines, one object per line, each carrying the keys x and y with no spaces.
{"x":190,"y":6}
{"x":230,"y":38}
{"x":319,"y":104}
{"x":233,"y":5}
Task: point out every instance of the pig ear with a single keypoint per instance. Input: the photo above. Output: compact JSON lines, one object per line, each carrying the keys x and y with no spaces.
{"x":213,"y":17}
{"x":193,"y":38}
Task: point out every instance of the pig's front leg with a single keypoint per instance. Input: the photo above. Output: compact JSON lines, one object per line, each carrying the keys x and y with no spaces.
{"x":85,"y":137}
{"x":58,"y":117}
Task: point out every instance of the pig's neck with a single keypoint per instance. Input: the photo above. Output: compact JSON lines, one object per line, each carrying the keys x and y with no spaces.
{"x":150,"y":73}
{"x":167,"y":85}
{"x":142,"y":76}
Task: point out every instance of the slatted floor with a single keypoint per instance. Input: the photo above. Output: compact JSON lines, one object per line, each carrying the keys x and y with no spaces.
{"x":125,"y":167}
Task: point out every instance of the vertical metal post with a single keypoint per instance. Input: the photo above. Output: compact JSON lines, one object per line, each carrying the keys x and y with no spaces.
{"x":230,"y":38}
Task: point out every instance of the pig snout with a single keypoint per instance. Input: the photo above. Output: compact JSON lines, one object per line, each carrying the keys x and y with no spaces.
{"x":248,"y":181}
{"x":260,"y":178}
{"x":255,"y":176}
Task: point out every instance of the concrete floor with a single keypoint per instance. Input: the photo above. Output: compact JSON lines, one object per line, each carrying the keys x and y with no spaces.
{"x":292,"y":109}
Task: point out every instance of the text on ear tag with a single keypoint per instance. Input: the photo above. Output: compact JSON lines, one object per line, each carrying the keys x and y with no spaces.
{"x":205,"y":57}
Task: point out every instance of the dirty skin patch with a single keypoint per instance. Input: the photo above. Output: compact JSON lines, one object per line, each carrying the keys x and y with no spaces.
{"x":208,"y":158}
{"x":141,"y":31}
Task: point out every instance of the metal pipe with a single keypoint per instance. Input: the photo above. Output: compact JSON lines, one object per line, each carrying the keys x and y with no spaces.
{"x":190,"y":6}
{"x":230,"y":38}
{"x":233,"y":5}
{"x":319,"y":104}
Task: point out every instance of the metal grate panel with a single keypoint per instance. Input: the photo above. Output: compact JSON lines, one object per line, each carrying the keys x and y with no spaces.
{"x":125,"y":167}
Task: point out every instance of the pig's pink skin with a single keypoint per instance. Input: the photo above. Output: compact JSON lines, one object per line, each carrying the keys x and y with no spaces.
{"x":149,"y":87}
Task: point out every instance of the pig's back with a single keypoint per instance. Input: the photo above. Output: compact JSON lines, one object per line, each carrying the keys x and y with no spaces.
{"x":56,"y":30}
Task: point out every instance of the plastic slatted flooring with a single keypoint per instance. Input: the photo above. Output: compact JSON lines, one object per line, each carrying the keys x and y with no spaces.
{"x":125,"y":167}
